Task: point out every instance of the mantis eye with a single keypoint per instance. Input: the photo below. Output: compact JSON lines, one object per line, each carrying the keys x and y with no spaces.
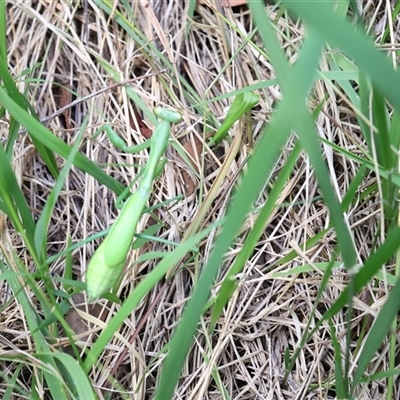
{"x":167,"y":115}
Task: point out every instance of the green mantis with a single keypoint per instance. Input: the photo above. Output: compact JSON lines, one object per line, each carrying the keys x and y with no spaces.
{"x":109,"y":259}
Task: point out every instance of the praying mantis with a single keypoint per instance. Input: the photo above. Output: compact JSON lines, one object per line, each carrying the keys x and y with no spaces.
{"x":109,"y":259}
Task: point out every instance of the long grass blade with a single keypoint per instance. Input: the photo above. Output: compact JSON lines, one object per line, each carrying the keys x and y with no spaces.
{"x":261,"y":163}
{"x":329,"y":24}
{"x":230,"y":283}
{"x":42,"y":134}
{"x":376,"y":335}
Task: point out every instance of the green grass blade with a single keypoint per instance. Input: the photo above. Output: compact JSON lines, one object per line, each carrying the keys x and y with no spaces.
{"x":41,"y":133}
{"x":190,"y":13}
{"x":322,"y":287}
{"x":14,"y":93}
{"x":259,"y":166}
{"x":394,"y":130}
{"x":324,"y":267}
{"x":12,"y":384}
{"x":14,"y":205}
{"x":371,"y":267}
{"x":395,"y":177}
{"x":3,"y":30}
{"x":41,"y":346}
{"x":44,"y":219}
{"x":386,"y":156}
{"x":68,"y":270}
{"x":230,"y":283}
{"x":275,"y":51}
{"x":333,"y":28}
{"x":305,"y":129}
{"x":395,"y":13}
{"x":351,"y":193}
{"x":336,"y":75}
{"x":78,"y":381}
{"x":381,"y":375}
{"x":381,"y":143}
{"x":340,"y":385}
{"x":379,"y":330}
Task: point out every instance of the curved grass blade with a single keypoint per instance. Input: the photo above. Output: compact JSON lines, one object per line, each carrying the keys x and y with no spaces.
{"x":41,"y":133}
{"x":377,"y":334}
{"x":259,"y":166}
{"x":45,"y":216}
{"x":78,"y":381}
{"x":321,"y":16}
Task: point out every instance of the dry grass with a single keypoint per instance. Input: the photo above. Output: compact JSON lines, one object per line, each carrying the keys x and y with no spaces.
{"x":266,"y":315}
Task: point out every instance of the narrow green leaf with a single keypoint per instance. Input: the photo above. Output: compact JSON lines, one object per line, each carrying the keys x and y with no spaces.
{"x":78,"y":381}
{"x":68,"y":270}
{"x":45,"y":216}
{"x":14,"y":93}
{"x":259,"y":166}
{"x":14,"y":205}
{"x":230,"y":283}
{"x":190,"y":13}
{"x":333,"y":28}
{"x":371,"y":267}
{"x":52,"y":318}
{"x":41,"y":133}
{"x":142,"y":239}
{"x":355,"y":183}
{"x":11,"y":384}
{"x":3,"y":31}
{"x":340,"y":386}
{"x":41,"y":346}
{"x":377,"y":334}
{"x":275,"y":51}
